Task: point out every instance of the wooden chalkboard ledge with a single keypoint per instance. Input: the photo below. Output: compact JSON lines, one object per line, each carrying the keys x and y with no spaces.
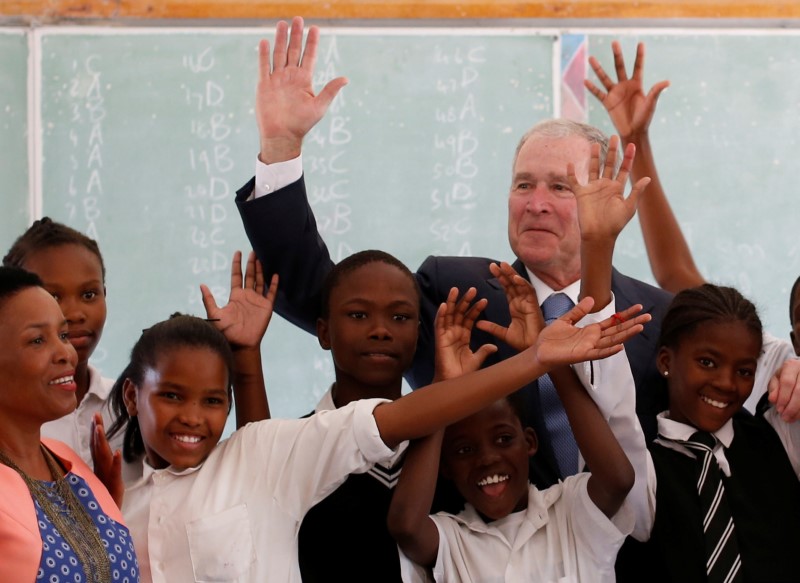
{"x":50,"y":11}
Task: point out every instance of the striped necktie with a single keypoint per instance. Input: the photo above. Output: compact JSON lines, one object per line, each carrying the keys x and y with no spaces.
{"x":723,"y":563}
{"x":555,"y":417}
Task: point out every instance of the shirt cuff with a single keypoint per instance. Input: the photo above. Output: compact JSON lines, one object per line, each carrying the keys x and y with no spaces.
{"x":272,"y":177}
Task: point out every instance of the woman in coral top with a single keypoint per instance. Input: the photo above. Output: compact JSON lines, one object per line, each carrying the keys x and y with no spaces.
{"x":57,"y":522}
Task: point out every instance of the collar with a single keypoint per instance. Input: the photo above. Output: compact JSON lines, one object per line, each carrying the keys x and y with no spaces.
{"x":150,"y":473}
{"x":671,"y":429}
{"x":539,"y":502}
{"x":326,"y":402}
{"x":98,"y":386}
{"x":544,"y":291}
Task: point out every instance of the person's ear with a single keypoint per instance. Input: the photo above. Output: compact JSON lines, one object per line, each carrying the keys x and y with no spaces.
{"x":323,"y":334}
{"x":663,"y":360}
{"x":531,"y":440}
{"x":129,"y":397}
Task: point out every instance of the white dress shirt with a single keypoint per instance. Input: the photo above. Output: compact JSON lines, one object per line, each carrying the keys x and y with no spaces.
{"x":562,"y":537}
{"x":236,"y":517}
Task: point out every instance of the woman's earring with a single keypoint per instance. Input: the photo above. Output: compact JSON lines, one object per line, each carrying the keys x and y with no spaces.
{"x":666,"y":373}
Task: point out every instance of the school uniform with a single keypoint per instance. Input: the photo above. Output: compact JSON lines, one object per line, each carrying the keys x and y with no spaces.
{"x":236,"y":516}
{"x":759,"y":458}
{"x":344,"y":537}
{"x":562,"y":536}
{"x":75,"y":429}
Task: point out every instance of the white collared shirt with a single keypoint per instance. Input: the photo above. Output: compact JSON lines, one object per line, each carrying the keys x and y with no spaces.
{"x":562,"y":537}
{"x":236,"y":517}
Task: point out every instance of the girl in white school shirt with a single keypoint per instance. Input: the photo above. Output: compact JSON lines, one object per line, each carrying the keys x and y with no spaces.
{"x":230,"y":511}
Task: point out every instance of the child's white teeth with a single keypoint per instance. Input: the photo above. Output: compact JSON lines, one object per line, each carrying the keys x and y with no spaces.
{"x":188,"y":438}
{"x":62,"y":380}
{"x":713,"y":403}
{"x":496,"y":479}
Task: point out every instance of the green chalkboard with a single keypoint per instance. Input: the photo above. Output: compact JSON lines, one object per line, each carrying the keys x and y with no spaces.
{"x":726,"y":139}
{"x":147,"y":134}
{"x":14,"y":213}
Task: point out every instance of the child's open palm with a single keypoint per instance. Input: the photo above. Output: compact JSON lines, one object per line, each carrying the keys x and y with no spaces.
{"x":563,"y":343}
{"x":245,"y":318}
{"x":526,"y":316}
{"x":454,"y":322}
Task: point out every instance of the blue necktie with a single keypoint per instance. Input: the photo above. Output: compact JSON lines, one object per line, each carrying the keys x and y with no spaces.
{"x":555,"y":417}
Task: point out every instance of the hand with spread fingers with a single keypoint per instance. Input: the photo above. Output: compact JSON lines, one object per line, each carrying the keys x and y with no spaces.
{"x":630,"y":110}
{"x":454,"y":322}
{"x":526,"y":316}
{"x":286,"y":105}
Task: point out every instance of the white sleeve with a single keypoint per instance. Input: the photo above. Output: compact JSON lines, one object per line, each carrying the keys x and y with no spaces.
{"x":773,"y":354}
{"x":610,"y":383}
{"x":304,"y":460}
{"x":272,"y":177}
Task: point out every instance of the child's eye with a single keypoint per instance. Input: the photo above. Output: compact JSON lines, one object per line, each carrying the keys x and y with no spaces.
{"x":37,"y":340}
{"x":357,"y":315}
{"x":464,"y":450}
{"x":170,"y":395}
{"x":90,"y":295}
{"x":747,"y":372}
{"x":401,"y":317}
{"x":504,"y":439}
{"x":706,"y":362}
{"x":215,"y":401}
{"x":64,"y":336}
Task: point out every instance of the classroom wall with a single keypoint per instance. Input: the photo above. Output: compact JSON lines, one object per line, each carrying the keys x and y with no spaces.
{"x":140,"y":136}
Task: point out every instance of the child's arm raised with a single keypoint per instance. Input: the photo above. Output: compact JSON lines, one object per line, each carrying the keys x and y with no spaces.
{"x":612,"y":474}
{"x":431,"y":408}
{"x":603,"y":211}
{"x":631,"y":112}
{"x":244,"y":321}
{"x":408,"y":519}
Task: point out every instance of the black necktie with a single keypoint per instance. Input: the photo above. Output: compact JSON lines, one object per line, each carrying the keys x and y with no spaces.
{"x":723,"y":563}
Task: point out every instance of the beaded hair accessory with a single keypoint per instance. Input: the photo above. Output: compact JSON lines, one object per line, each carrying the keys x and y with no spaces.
{"x":69,"y":517}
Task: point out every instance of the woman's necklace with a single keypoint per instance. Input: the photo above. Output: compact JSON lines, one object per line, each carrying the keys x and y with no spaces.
{"x":70,"y":519}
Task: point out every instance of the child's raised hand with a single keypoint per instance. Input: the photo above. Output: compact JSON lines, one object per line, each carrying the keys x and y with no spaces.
{"x":453,"y":327}
{"x":603,"y":210}
{"x":627,"y":105}
{"x":563,"y":343}
{"x":107,"y":464}
{"x":245,"y":318}
{"x":526,"y":316}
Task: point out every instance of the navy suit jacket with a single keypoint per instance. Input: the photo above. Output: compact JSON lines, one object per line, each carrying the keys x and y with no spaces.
{"x":283,"y":232}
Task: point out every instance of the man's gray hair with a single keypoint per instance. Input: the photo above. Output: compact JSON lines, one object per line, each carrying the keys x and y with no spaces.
{"x":564,"y":128}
